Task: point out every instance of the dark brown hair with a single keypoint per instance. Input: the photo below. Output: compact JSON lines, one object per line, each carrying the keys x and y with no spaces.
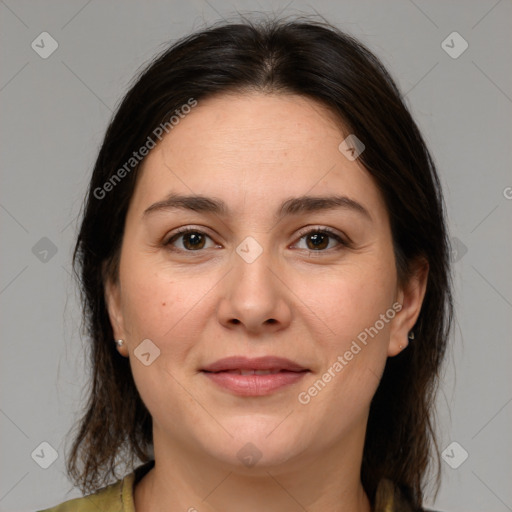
{"x":314,"y":60}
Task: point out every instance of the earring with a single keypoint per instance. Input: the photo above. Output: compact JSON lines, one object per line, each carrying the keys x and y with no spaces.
{"x":411,"y":335}
{"x":119,"y":343}
{"x":401,"y":347}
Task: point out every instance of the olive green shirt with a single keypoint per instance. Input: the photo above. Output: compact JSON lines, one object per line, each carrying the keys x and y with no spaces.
{"x":118,"y":497}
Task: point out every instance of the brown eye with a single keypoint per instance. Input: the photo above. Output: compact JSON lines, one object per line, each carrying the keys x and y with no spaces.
{"x":191,"y":240}
{"x":320,"y":239}
{"x":317,"y":241}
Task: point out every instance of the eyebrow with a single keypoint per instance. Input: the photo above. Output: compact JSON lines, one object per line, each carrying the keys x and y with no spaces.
{"x":292,"y":206}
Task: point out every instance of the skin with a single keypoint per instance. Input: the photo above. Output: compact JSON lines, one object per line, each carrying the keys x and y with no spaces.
{"x":254,"y":151}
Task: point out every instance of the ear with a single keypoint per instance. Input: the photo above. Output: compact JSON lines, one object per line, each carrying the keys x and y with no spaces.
{"x":410,"y":296}
{"x":113,"y":300}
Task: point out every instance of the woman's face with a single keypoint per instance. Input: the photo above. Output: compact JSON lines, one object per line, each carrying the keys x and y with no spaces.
{"x":258,"y":277}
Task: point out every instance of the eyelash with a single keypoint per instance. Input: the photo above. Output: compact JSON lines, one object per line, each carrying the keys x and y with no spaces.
{"x":323,"y":230}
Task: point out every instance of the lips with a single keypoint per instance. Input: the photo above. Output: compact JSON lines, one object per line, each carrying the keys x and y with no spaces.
{"x":252,"y":372}
{"x":247,"y":366}
{"x":254,"y":377}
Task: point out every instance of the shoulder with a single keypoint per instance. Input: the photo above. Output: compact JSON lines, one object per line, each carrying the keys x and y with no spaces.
{"x":116,"y":497}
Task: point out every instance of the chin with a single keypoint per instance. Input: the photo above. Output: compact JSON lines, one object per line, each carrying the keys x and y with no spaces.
{"x":258,"y":442}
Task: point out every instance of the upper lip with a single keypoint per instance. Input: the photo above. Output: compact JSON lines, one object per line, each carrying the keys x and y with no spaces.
{"x":259,"y":363}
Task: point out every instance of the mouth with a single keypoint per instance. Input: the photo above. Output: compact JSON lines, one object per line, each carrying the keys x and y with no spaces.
{"x":254,"y":377}
{"x":272,"y":364}
{"x":239,"y":371}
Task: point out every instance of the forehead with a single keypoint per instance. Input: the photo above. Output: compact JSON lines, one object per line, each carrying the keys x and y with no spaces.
{"x":249,"y":149}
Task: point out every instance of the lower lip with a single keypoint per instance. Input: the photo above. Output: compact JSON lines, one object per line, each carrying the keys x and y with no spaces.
{"x":255,"y":385}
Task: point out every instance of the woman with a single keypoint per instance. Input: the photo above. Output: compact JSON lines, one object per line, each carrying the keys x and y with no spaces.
{"x":265,"y":272}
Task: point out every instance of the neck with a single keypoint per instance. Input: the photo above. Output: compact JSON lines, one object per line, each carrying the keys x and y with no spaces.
{"x":184,"y":479}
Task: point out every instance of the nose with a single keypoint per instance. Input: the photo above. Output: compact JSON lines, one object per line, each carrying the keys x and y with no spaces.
{"x":254,"y":298}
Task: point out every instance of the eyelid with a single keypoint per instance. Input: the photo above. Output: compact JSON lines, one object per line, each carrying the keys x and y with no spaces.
{"x":183,"y":231}
{"x":342,"y":239}
{"x":322,"y":229}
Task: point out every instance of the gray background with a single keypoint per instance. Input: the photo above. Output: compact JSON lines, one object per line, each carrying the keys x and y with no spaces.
{"x":55,"y":112}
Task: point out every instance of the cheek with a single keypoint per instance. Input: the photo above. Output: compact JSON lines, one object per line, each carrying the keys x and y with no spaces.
{"x":148,"y":302}
{"x":351,"y":336}
{"x":157,"y":305}
{"x":350,"y":299}
{"x":166,"y":307}
{"x":153,"y":301}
